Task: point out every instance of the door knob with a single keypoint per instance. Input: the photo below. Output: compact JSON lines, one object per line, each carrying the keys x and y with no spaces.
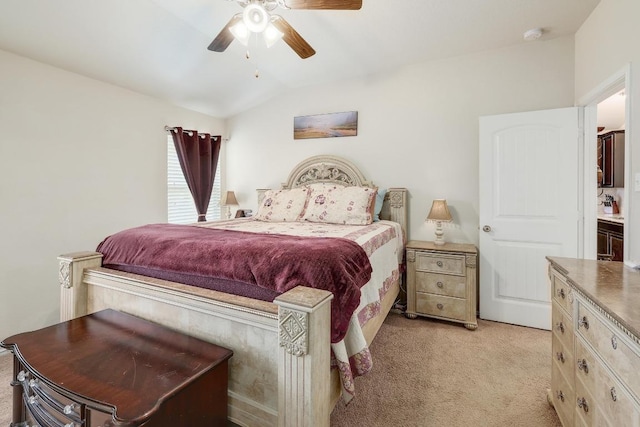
{"x":486,"y":228}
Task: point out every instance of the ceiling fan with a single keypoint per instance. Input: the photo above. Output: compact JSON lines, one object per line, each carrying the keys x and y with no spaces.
{"x":257,"y":18}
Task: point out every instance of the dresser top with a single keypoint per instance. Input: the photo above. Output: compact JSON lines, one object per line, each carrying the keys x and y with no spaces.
{"x":116,"y":359}
{"x":612,"y":285}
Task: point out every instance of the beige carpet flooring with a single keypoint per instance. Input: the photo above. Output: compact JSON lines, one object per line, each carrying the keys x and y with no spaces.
{"x":431,"y":373}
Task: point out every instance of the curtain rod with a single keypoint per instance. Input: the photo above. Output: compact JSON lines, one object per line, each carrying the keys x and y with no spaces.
{"x":188,"y":132}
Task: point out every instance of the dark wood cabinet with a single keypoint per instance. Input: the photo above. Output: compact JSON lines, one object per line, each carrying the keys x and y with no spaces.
{"x":112,"y":369}
{"x":611,"y":158}
{"x":610,"y":240}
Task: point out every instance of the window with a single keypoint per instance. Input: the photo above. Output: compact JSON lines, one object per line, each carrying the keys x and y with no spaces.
{"x":181,"y":208}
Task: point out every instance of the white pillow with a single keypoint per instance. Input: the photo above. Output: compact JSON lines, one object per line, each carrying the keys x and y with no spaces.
{"x":282,"y":205}
{"x":336,"y":204}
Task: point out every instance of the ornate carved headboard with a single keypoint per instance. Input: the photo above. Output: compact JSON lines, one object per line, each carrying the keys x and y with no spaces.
{"x":329,"y":169}
{"x":336,"y":170}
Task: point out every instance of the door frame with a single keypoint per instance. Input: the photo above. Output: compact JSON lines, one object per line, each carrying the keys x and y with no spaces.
{"x":616,"y":82}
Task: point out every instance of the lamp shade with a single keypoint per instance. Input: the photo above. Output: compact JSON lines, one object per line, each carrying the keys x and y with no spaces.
{"x":439,"y":211}
{"x":228,"y":198}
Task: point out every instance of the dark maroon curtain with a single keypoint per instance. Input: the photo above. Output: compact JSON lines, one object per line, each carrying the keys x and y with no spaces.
{"x":198,"y":155}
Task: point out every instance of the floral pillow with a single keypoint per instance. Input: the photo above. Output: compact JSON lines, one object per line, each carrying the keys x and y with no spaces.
{"x":282,"y":205}
{"x":336,"y":204}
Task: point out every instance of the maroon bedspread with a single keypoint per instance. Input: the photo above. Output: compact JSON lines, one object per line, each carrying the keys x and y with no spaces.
{"x":272,"y":261}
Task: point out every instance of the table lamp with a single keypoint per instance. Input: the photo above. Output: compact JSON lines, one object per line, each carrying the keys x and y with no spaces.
{"x":439,"y":213}
{"x":228,"y":199}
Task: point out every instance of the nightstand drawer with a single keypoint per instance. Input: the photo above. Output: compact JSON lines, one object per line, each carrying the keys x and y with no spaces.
{"x":441,"y":284}
{"x":436,"y":305}
{"x":447,"y":264}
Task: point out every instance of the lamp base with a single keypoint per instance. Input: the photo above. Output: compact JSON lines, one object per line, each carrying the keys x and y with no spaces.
{"x":439,"y":233}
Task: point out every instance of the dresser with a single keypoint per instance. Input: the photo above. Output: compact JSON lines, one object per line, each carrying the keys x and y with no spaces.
{"x":442,"y":281}
{"x":113,"y":369}
{"x":595,"y":369}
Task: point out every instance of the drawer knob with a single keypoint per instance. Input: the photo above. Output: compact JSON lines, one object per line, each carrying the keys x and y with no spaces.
{"x":614,"y":342}
{"x":439,"y":263}
{"x":68,"y":410}
{"x":440,"y":306}
{"x":582,"y":403}
{"x":561,"y":293}
{"x":583,"y":366}
{"x":560,"y":356}
{"x":560,"y":327}
{"x":22,"y":375}
{"x":584,"y":322}
{"x":614,"y":395}
{"x":440,"y":285}
{"x":33,"y":399}
{"x":560,"y":395}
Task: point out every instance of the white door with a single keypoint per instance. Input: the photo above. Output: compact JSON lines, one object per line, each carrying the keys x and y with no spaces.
{"x":529,"y":209}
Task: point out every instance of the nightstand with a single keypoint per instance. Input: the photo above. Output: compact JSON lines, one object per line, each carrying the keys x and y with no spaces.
{"x":441,"y":281}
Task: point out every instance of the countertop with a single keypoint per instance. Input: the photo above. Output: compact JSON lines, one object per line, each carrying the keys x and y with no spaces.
{"x":612,"y":285}
{"x":616,"y":218}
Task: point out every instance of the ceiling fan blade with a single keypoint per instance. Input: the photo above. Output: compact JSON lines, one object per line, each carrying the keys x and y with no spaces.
{"x":324,"y":4}
{"x":292,"y":38}
{"x":224,"y":38}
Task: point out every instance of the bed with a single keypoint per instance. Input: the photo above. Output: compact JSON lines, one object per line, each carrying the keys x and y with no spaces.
{"x":281,"y":372}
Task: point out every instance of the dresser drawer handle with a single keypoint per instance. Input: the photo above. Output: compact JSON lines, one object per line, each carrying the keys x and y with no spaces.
{"x":560,"y":395}
{"x":614,"y":395}
{"x":582,"y":403}
{"x":68,"y":410}
{"x":583,"y":366}
{"x":439,"y":263}
{"x":22,"y":375}
{"x":440,"y":306}
{"x":561,"y":293}
{"x":584,"y":322}
{"x":560,"y":327}
{"x":614,"y":342}
{"x":440,"y":285}
{"x":560,"y":356}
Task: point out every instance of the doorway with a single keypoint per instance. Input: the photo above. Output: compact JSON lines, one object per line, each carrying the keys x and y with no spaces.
{"x":591,"y":192}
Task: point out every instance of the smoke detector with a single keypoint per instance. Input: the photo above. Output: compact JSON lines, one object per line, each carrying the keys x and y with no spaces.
{"x":532,"y":34}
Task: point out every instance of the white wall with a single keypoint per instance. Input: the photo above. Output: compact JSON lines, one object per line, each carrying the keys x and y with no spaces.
{"x":79,"y":159}
{"x":418,"y":127}
{"x":605,"y":44}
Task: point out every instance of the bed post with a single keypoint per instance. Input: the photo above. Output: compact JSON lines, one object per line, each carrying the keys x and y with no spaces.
{"x":304,"y":357}
{"x":73,"y":294}
{"x":395,"y":208}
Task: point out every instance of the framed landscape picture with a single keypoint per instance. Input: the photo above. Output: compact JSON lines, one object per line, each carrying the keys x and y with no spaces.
{"x":326,"y":125}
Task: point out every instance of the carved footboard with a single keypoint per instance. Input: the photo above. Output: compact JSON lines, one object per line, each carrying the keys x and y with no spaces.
{"x":279,"y":374}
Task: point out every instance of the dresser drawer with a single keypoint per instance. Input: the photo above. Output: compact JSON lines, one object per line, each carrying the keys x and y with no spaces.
{"x":615,"y":405}
{"x":563,"y":396}
{"x":562,"y":326}
{"x":441,"y":284}
{"x":435,"y":263}
{"x":441,"y":306}
{"x":584,"y":404}
{"x":614,"y":347}
{"x":562,"y":294}
{"x":563,"y":357}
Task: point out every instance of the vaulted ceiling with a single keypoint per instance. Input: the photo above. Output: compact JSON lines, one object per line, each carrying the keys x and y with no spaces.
{"x":159,"y":47}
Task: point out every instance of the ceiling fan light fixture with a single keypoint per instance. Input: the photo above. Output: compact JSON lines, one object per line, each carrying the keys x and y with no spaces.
{"x":272,"y":35}
{"x":255,"y":17}
{"x":240,"y":32}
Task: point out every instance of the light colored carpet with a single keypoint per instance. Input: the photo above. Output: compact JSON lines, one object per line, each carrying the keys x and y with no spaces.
{"x":6,"y":372}
{"x":430,"y":373}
